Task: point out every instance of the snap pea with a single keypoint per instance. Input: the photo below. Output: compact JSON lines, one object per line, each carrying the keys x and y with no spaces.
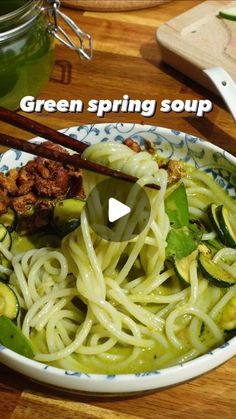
{"x":12,"y":338}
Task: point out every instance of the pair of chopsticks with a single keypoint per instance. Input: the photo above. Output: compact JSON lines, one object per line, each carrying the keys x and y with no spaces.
{"x":27,"y":124}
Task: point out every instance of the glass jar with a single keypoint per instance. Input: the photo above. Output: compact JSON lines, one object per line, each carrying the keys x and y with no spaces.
{"x":26,"y":46}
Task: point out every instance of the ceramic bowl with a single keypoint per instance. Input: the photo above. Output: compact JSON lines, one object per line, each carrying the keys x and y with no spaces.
{"x":171,"y":144}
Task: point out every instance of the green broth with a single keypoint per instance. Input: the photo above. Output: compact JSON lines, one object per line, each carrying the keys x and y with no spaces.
{"x":156,"y":356}
{"x":150,"y":359}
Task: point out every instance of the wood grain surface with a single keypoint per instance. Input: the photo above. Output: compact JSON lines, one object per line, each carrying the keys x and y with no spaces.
{"x":127,"y":60}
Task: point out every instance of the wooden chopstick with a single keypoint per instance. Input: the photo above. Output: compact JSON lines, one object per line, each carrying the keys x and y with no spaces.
{"x":74,"y":160}
{"x":27,"y":124}
{"x":56,"y":137}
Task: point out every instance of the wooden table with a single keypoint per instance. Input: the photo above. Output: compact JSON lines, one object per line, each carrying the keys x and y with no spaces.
{"x":127,"y":61}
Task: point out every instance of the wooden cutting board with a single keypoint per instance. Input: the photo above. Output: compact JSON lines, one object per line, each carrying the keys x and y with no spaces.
{"x":199,"y":39}
{"x":111,"y":5}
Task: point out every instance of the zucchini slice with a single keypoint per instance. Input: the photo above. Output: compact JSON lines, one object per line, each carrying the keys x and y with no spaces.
{"x":66,"y":215}
{"x":9,"y":305}
{"x":229,"y":13}
{"x":66,"y":228}
{"x":214,"y":273}
{"x":211,"y":212}
{"x":7,"y":241}
{"x":214,"y":245}
{"x":182,"y":266}
{"x":9,"y":219}
{"x":13,"y":338}
{"x":3,"y":232}
{"x":5,"y":237}
{"x":4,"y":278}
{"x":228,"y":232}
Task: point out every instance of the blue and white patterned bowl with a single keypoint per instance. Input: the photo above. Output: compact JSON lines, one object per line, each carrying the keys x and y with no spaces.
{"x":171,"y":144}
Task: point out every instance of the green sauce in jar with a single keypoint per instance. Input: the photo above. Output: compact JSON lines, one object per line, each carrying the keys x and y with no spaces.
{"x":8,"y":6}
{"x":26,"y":50}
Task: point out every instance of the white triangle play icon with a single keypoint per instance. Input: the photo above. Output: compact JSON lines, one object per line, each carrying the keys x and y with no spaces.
{"x":116,"y":210}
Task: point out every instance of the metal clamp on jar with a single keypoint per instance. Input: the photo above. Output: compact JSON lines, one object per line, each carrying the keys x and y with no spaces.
{"x":84,"y":48}
{"x":27,"y":30}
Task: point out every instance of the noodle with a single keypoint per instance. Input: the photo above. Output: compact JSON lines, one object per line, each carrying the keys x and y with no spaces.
{"x":89,"y":310}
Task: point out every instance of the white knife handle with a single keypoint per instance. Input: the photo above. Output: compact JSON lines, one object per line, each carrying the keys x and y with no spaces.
{"x":225,"y":86}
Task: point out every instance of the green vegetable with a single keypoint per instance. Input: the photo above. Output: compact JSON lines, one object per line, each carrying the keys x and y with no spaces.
{"x":9,"y":219}
{"x":214,"y":244}
{"x":176,"y":206}
{"x":182,"y":266}
{"x":4,"y":278}
{"x":12,"y":338}
{"x":211,"y":212}
{"x":3,"y":232}
{"x":220,"y":220}
{"x":183,"y":237}
{"x":5,"y":237}
{"x":183,"y":241}
{"x":9,"y":305}
{"x":214,"y":273}
{"x":67,"y":209}
{"x":229,"y":13}
{"x":229,"y":235}
{"x":33,"y":241}
{"x":66,"y":215}
{"x":66,"y":228}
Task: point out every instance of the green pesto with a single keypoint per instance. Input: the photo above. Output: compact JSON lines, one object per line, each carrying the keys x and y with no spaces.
{"x":8,"y":6}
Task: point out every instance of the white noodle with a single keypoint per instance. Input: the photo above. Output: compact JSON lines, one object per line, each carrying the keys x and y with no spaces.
{"x":122,"y":313}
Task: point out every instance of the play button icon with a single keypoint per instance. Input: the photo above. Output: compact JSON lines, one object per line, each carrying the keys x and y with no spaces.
{"x":117,"y":210}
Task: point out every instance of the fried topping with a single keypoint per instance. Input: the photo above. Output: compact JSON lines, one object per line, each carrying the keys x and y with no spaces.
{"x":33,"y":189}
{"x":132,"y":144}
{"x":175,"y":170}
